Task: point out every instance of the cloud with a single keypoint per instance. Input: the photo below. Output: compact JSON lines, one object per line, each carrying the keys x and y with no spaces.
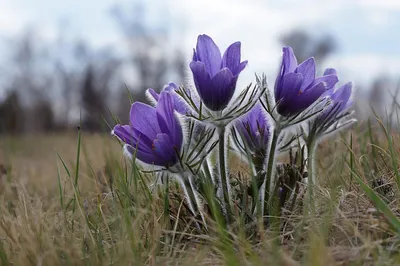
{"x":388,"y":5}
{"x":10,"y":18}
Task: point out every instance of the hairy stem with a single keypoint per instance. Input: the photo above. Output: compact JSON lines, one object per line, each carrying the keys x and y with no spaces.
{"x":311,"y":169}
{"x":188,"y":190}
{"x":269,"y":181}
{"x":258,"y":180}
{"x":223,"y":176}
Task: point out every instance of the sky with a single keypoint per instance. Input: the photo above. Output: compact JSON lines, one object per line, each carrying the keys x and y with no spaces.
{"x":366,"y":31}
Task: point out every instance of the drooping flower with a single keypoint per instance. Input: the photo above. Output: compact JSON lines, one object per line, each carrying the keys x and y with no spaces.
{"x":215,"y":77}
{"x":179,"y":105}
{"x":254,"y":129}
{"x":340,"y":102}
{"x":154,"y":134}
{"x":296,"y":86}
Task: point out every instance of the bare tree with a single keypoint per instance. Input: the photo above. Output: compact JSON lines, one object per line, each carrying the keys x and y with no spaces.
{"x":149,"y":53}
{"x":29,"y":76}
{"x":11,"y":114}
{"x":95,"y":91}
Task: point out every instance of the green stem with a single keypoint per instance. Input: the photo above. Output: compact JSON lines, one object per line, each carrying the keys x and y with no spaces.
{"x":223,"y":176}
{"x":190,"y":194}
{"x":191,"y":198}
{"x":269,"y":181}
{"x":311,"y":169}
{"x":258,"y":179}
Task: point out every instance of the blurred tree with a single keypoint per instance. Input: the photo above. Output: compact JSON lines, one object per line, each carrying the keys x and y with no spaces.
{"x":32,"y":82}
{"x":43,"y":116}
{"x":151,"y":55}
{"x":84,"y":80}
{"x":92,"y":103}
{"x":11,"y":114}
{"x":305,"y":46}
{"x":95,"y":93}
{"x":54,"y":81}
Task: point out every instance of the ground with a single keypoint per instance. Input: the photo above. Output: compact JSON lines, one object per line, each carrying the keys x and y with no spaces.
{"x":109,"y":217}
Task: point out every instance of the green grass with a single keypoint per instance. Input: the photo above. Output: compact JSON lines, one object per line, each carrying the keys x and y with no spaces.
{"x":75,"y":200}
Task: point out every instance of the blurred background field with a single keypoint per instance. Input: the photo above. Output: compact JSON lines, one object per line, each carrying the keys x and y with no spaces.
{"x":66,"y":62}
{"x":34,"y":162}
{"x":63,"y":61}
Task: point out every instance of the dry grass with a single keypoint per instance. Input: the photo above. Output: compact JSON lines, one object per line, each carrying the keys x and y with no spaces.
{"x":129,"y":228}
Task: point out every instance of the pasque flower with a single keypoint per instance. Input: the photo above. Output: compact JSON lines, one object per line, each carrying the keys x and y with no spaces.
{"x":254,"y":129}
{"x":296,"y":86}
{"x":154,"y":134}
{"x":179,"y":105}
{"x":215,"y":77}
{"x":340,"y":101}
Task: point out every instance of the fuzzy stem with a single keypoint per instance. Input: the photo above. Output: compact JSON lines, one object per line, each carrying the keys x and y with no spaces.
{"x":258,"y":180}
{"x":269,"y":182}
{"x":311,"y":169}
{"x":188,"y":190}
{"x":223,"y":176}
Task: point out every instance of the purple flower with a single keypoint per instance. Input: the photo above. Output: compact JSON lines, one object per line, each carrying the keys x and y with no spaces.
{"x":254,"y":129}
{"x":179,"y":104}
{"x":215,"y":77}
{"x":296,"y":86}
{"x":340,"y":102}
{"x":154,"y":133}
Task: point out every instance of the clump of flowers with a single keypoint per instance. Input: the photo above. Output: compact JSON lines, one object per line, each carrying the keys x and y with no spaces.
{"x":187,"y":124}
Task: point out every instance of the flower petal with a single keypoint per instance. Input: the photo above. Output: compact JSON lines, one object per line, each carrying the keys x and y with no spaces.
{"x":289,"y":60}
{"x":288,"y":64}
{"x":291,"y":83}
{"x":201,"y":77}
{"x":342,"y":96}
{"x":254,"y":129}
{"x":125,"y":134}
{"x":167,"y":120}
{"x":278,"y":84}
{"x":240,"y":67}
{"x":329,"y":80}
{"x":231,"y":57}
{"x":128,"y":135}
{"x":194,"y":58}
{"x":340,"y":102}
{"x":179,"y":104}
{"x":149,"y":158}
{"x":165,"y":149}
{"x":348,"y":104}
{"x":330,"y":71}
{"x":307,"y":69}
{"x":173,"y":85}
{"x":143,"y":118}
{"x":221,"y":90}
{"x":343,"y":93}
{"x":309,"y":96}
{"x":153,"y":94}
{"x":208,"y":53}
